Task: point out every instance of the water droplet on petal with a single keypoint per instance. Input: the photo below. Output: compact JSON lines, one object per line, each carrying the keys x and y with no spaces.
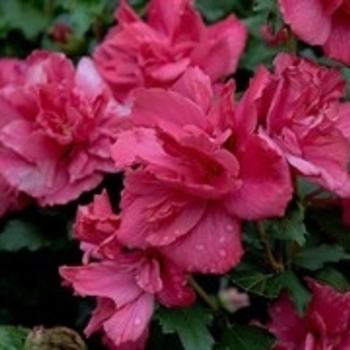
{"x":199,"y":246}
{"x":137,"y":321}
{"x":222,"y":253}
{"x":177,"y":232}
{"x":229,"y":227}
{"x":222,"y":239}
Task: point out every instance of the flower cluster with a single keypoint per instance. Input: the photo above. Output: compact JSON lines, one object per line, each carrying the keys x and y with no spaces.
{"x":126,"y":282}
{"x":154,"y":105}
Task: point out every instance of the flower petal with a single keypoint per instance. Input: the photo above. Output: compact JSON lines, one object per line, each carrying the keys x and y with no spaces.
{"x":212,"y":246}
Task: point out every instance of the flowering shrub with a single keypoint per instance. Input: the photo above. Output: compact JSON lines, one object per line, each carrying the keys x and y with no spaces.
{"x":176,"y":176}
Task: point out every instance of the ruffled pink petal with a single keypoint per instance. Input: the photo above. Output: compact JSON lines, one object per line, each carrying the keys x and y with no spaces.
{"x":103,"y":280}
{"x":156,"y":216}
{"x":332,"y":306}
{"x":266,"y":184}
{"x":343,"y":121}
{"x":70,"y":191}
{"x":96,"y":222}
{"x":307,"y":19}
{"x":125,"y":14}
{"x":156,"y":107}
{"x":11,"y":71}
{"x":129,"y":323}
{"x":176,"y":291}
{"x":220,"y":51}
{"x":88,"y":79}
{"x":247,"y":106}
{"x":104,"y":310}
{"x":148,"y":277}
{"x":336,"y":45}
{"x":195,"y":85}
{"x":212,"y":246}
{"x":287,"y":326}
{"x":138,"y":145}
{"x":189,"y":28}
{"x":164,"y":16}
{"x":328,"y":154}
{"x":163,"y":73}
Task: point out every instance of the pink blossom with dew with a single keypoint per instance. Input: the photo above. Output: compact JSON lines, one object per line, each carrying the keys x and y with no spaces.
{"x":126,"y":283}
{"x":190,"y":178}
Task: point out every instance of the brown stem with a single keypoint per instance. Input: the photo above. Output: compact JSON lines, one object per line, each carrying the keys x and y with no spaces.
{"x":277,"y":266}
{"x":203,"y":294}
{"x":292,"y":42}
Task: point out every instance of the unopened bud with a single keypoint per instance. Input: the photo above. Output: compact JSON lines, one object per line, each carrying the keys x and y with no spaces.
{"x":232,"y":300}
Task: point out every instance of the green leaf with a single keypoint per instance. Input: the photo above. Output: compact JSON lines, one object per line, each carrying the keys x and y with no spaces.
{"x":264,"y":5}
{"x":299,"y":294}
{"x":23,"y":16}
{"x":213,"y":10}
{"x":315,"y":258}
{"x":328,"y":221}
{"x":19,"y":234}
{"x":346,"y":74}
{"x":240,"y":337}
{"x":334,"y":278}
{"x":257,"y":282}
{"x":290,"y":227}
{"x":190,"y":324}
{"x":12,"y":338}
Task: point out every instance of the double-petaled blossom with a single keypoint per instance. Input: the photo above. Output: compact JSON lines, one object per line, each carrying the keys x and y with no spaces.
{"x":324,"y":23}
{"x":56,"y":127}
{"x":157,"y":52}
{"x":194,"y":170}
{"x":127,"y":283}
{"x":324,"y":326}
{"x":299,"y":107}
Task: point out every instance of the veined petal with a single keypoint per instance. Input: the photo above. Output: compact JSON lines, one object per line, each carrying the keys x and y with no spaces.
{"x":266,"y":184}
{"x":212,"y":246}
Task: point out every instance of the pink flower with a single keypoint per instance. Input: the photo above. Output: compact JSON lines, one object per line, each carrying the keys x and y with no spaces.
{"x":196,"y":177}
{"x":325,"y":324}
{"x":126,"y":283}
{"x":299,"y":108}
{"x":56,"y":129}
{"x":157,"y":52}
{"x":11,"y":71}
{"x":325,"y":23}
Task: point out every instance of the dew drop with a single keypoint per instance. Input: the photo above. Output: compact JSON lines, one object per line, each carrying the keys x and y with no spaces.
{"x":177,"y":232}
{"x":222,"y":253}
{"x":137,"y":321}
{"x":229,"y":227}
{"x":222,"y":239}
{"x":199,"y":247}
